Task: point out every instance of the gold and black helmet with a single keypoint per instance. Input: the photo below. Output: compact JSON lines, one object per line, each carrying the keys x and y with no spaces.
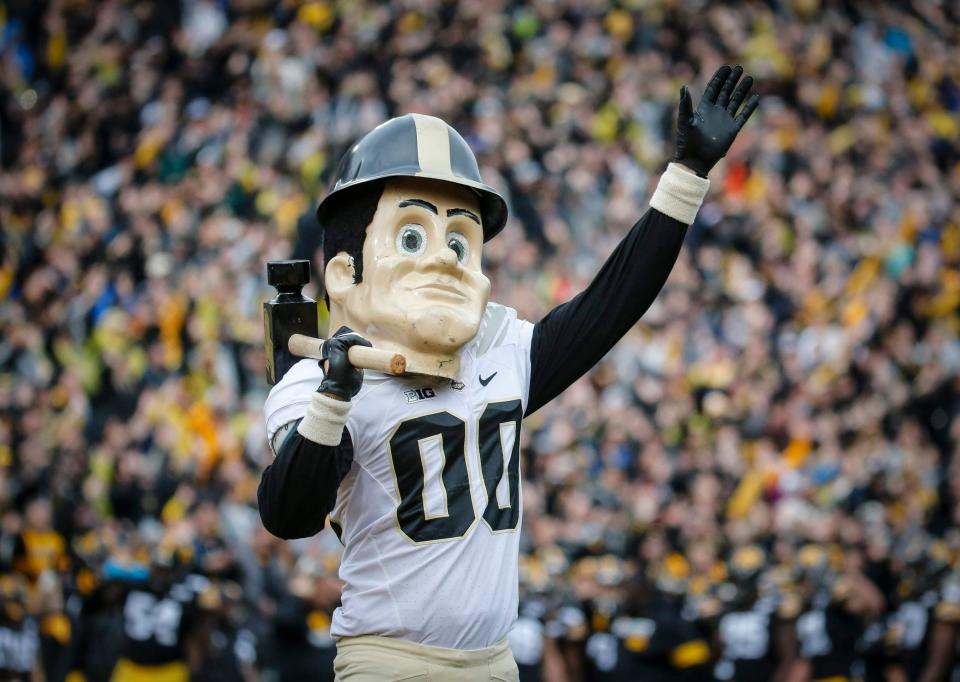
{"x":420,"y":146}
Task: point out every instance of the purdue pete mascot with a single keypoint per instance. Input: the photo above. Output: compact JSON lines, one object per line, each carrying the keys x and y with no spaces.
{"x":420,"y":476}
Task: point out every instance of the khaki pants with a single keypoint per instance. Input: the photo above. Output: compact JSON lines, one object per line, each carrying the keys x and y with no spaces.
{"x":384,"y":659}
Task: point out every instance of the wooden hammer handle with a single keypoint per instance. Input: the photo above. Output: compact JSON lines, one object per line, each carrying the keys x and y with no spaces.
{"x":359,"y":356}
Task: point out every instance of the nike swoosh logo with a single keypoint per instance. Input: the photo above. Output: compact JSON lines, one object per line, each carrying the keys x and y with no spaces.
{"x":484,"y":382}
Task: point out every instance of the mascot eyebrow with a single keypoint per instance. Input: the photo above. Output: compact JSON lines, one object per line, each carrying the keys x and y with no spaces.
{"x":462,"y":211}
{"x":433,"y":209}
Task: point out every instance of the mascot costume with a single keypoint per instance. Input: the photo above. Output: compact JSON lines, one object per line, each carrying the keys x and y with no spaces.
{"x":419,"y":475}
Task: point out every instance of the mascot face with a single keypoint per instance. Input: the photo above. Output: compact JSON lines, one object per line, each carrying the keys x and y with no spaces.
{"x":422,"y":291}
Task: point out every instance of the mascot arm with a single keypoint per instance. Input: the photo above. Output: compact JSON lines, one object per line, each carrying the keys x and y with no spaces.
{"x":299,"y":489}
{"x":576,"y":335}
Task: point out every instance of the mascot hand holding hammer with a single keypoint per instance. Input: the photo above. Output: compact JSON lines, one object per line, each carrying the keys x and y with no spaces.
{"x":420,"y":474}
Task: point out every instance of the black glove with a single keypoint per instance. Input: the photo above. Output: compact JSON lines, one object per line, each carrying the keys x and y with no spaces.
{"x":705,"y":135}
{"x":341,"y":379}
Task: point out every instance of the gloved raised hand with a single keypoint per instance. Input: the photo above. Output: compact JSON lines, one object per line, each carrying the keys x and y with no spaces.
{"x":705,"y":135}
{"x":341,"y":379}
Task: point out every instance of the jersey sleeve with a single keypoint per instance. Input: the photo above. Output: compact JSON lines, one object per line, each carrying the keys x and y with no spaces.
{"x":289,"y":399}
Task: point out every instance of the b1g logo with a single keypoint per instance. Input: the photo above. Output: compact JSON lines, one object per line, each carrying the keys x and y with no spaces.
{"x":419,"y":394}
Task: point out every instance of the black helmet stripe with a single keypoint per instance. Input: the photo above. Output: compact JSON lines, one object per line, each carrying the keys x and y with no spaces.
{"x":393,"y":150}
{"x":433,"y":146}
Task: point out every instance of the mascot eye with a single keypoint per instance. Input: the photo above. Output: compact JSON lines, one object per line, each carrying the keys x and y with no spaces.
{"x":460,"y":245}
{"x":412,"y":240}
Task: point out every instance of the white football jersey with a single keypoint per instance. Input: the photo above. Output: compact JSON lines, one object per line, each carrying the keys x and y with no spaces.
{"x":430,"y":511}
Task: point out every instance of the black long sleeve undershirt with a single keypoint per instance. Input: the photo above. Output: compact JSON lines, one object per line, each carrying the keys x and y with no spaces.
{"x":299,"y":489}
{"x":576,"y":335}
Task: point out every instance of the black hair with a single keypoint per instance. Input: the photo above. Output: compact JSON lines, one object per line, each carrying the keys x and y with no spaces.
{"x":344,"y":222}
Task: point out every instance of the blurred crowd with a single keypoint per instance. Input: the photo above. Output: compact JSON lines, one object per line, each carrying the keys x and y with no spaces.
{"x":760,"y":482}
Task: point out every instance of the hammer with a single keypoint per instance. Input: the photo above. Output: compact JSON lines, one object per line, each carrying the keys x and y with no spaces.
{"x":290,"y":326}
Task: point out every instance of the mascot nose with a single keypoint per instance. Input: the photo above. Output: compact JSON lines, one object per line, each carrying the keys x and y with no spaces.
{"x":444,"y":258}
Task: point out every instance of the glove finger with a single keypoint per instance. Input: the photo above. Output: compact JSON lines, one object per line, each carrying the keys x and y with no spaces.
{"x":739,"y":94}
{"x":747,"y":110}
{"x":324,"y":359}
{"x":325,"y":349}
{"x":685,"y":112}
{"x":728,"y":84}
{"x":713,"y":88}
{"x":334,"y":345}
{"x":351,"y":338}
{"x":354,"y":339}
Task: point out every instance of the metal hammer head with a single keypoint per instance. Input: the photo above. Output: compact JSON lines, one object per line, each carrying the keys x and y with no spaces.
{"x":290,"y":312}
{"x":288,"y":276}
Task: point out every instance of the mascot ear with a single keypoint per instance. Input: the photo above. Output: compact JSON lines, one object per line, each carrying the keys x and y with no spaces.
{"x":338,"y":277}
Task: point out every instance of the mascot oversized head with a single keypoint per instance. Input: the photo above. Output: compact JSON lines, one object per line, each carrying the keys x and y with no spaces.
{"x":404,"y":225}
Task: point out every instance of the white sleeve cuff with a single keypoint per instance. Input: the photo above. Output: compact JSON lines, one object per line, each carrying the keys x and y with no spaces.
{"x":679,"y":194}
{"x":324,"y":421}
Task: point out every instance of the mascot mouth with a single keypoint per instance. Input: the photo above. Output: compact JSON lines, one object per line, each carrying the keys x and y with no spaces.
{"x":447,"y":290}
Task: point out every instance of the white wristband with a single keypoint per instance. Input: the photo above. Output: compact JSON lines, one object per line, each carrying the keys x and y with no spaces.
{"x":679,"y":194}
{"x":324,"y":421}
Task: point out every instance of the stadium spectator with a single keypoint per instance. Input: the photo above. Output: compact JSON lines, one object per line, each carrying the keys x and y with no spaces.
{"x":795,"y":386}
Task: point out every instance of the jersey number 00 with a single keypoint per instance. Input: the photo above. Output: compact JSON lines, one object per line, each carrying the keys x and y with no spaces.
{"x":411,"y":472}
